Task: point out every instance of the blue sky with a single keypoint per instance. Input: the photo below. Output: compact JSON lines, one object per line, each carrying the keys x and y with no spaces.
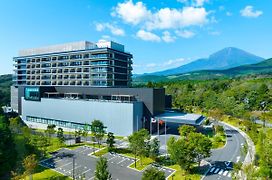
{"x":160,"y":34}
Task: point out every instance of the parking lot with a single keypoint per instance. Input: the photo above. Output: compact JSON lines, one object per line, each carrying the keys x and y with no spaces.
{"x":79,"y":163}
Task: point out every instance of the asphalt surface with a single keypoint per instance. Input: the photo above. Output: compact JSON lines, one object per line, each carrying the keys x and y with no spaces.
{"x":261,"y":123}
{"x":84,"y":165}
{"x":222,"y":159}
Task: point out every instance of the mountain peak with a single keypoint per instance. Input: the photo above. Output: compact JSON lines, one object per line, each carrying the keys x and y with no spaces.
{"x":228,"y":57}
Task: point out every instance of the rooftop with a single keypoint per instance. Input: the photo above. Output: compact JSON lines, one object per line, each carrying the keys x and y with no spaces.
{"x":180,"y":117}
{"x":72,"y":46}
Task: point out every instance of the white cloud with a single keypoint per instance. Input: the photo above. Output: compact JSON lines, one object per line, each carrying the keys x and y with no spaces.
{"x":167,"y":18}
{"x":249,"y":12}
{"x":164,"y":18}
{"x":113,"y":29}
{"x":148,"y":36}
{"x":167,"y":37}
{"x":185,"y":33}
{"x":131,"y":13}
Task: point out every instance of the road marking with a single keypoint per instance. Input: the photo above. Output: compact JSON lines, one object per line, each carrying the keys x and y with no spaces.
{"x":112,"y":158}
{"x":216,"y":170}
{"x":221,"y":171}
{"x":212,"y":169}
{"x":121,"y":161}
{"x":225,"y":173}
{"x":83,"y":150}
{"x":65,"y":165}
{"x":91,"y":178}
{"x":229,"y":175}
{"x":86,"y":171}
{"x":69,"y":171}
{"x":58,"y":160}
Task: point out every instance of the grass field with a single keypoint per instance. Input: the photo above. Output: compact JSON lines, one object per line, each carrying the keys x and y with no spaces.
{"x":180,"y":174}
{"x":42,"y":173}
{"x":142,"y":164}
{"x":101,"y":152}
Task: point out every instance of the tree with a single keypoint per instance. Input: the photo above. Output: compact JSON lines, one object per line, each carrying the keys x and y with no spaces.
{"x":30,"y":163}
{"x":185,"y":130}
{"x":154,"y":148}
{"x":50,"y":131}
{"x":8,"y":153}
{"x":180,"y":152}
{"x":85,"y":131}
{"x":97,"y":129}
{"x":78,"y":134}
{"x":216,"y":114}
{"x":153,"y":174}
{"x":138,"y":142}
{"x":101,"y":172}
{"x":14,"y":124}
{"x":201,"y":146}
{"x":26,"y":131}
{"x":110,"y":141}
{"x":219,"y":129}
{"x":187,"y":150}
{"x":60,"y":135}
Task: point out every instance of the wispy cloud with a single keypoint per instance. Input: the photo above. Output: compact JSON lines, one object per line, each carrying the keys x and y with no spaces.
{"x":196,"y":3}
{"x":185,"y":33}
{"x":148,"y":36}
{"x":153,"y":67}
{"x":249,"y":12}
{"x":167,"y":37}
{"x":112,"y":28}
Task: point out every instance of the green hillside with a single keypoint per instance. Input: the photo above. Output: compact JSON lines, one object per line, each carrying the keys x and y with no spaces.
{"x":5,"y":83}
{"x":262,"y":68}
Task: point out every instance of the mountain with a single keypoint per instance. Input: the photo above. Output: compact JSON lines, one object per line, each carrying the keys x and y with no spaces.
{"x":223,"y":59}
{"x":261,"y":68}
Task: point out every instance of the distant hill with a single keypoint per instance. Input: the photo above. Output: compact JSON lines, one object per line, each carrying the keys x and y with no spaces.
{"x":223,"y":59}
{"x":261,"y":68}
{"x":5,"y":83}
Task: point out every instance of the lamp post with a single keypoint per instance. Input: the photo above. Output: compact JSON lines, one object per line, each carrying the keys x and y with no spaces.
{"x":73,"y":167}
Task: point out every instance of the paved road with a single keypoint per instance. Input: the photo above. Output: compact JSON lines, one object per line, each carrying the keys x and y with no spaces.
{"x":266,"y":123}
{"x":223,"y":159}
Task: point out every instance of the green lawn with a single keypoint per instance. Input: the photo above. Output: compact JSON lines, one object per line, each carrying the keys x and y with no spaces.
{"x":101,"y":152}
{"x":42,"y":173}
{"x":180,"y":174}
{"x":140,"y":165}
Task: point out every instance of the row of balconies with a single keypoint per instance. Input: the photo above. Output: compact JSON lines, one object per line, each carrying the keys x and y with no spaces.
{"x":72,"y":64}
{"x":69,"y":77}
{"x":77,"y":83}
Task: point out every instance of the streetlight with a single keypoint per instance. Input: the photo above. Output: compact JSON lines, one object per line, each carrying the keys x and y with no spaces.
{"x":73,"y":167}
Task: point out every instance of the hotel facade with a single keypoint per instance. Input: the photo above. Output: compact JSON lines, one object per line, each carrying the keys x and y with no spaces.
{"x":72,"y":84}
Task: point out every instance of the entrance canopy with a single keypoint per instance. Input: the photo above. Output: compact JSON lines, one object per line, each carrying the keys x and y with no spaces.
{"x":181,"y":118}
